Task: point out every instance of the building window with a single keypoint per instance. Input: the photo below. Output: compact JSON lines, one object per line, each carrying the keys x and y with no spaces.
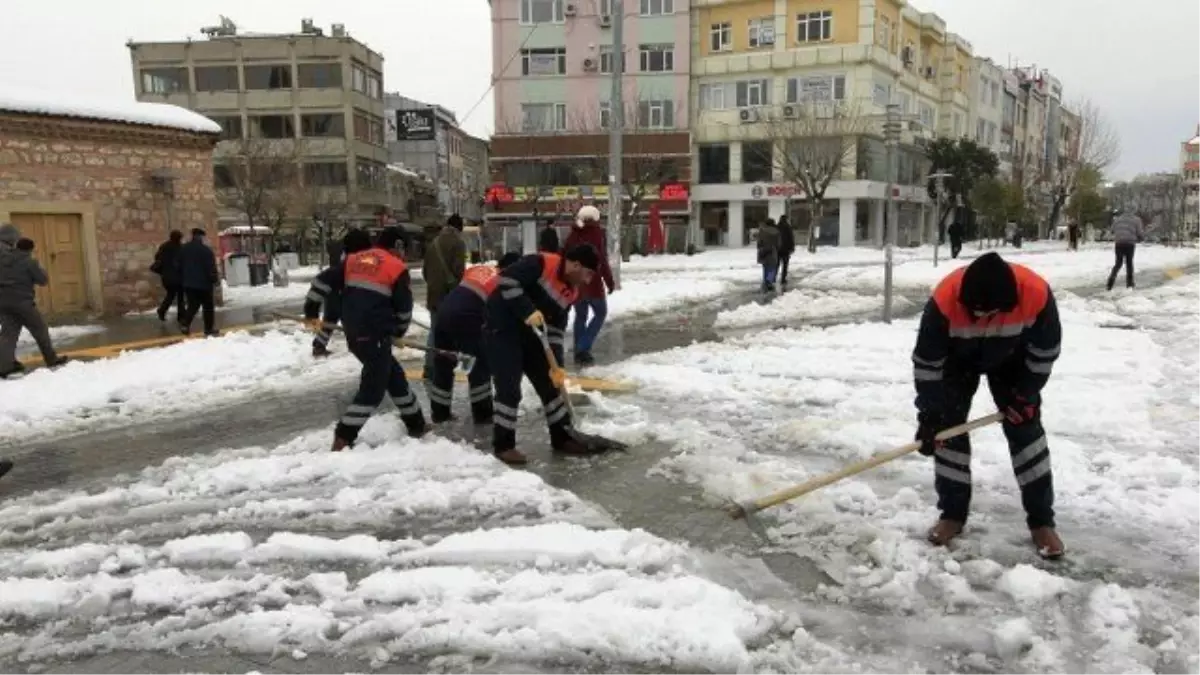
{"x":751,"y":93}
{"x":217,"y":78}
{"x":991,"y":133}
{"x":375,"y":131}
{"x":231,"y":127}
{"x":606,"y":59}
{"x":958,"y":125}
{"x":164,"y":80}
{"x":757,"y":160}
{"x":761,"y":32}
{"x":541,"y":11}
{"x":268,"y":77}
{"x":905,"y":102}
{"x":928,"y":115}
{"x":272,"y":126}
{"x":319,"y":75}
{"x":883,"y":33}
{"x":714,"y":163}
{"x":712,"y":96}
{"x":366,"y":81}
{"x":543,"y":116}
{"x":325,"y":174}
{"x":544,"y":61}
{"x":814,"y":26}
{"x":720,"y":37}
{"x":369,"y":174}
{"x":656,"y":115}
{"x":605,"y":114}
{"x":995,"y":94}
{"x":657,"y":58}
{"x":223,"y":177}
{"x":881,"y":94}
{"x":606,"y":7}
{"x":816,"y":88}
{"x":657,"y":7}
{"x":323,"y":125}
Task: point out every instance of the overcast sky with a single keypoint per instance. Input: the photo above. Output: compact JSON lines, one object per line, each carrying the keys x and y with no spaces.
{"x":1138,"y":61}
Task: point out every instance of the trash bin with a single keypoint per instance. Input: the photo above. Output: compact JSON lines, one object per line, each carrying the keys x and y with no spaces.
{"x":237,"y":269}
{"x":260,"y":274}
{"x":287,"y":260}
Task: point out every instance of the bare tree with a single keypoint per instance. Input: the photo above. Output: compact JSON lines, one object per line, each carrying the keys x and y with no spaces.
{"x":1095,"y":147}
{"x":1158,"y":199}
{"x":259,"y":176}
{"x":809,"y":146}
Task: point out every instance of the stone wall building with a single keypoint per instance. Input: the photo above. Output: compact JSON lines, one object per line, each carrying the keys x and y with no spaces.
{"x":97,"y":187}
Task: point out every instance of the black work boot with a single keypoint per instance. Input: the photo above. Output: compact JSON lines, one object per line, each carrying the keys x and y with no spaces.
{"x":320,"y":351}
{"x":339,"y":444}
{"x":511,"y":457}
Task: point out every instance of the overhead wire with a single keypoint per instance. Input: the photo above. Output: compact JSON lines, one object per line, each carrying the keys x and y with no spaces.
{"x":496,"y":78}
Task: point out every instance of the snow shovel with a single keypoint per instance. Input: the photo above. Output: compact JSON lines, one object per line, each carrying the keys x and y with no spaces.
{"x":465,"y":362}
{"x":540,"y":331}
{"x":747,"y":509}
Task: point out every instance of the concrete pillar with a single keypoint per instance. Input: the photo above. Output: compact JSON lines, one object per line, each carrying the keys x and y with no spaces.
{"x":776,"y":208}
{"x":875,"y":224}
{"x":847,"y":221}
{"x":737,"y":225}
{"x":735,"y":163}
{"x":694,"y":237}
{"x":529,"y":236}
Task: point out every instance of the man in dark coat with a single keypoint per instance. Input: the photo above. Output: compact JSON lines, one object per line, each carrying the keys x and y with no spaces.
{"x":548,"y":239}
{"x":445,"y":262}
{"x":166,"y":266}
{"x":787,"y":246}
{"x":198,"y":276}
{"x":20,"y":274}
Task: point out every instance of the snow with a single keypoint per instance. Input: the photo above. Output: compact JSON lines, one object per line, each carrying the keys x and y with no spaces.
{"x":804,"y":305}
{"x":71,"y":104}
{"x":755,"y":414}
{"x":217,"y":559}
{"x":60,"y":335}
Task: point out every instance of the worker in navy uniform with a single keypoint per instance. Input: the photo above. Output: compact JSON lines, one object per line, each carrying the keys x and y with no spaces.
{"x":458,"y":327}
{"x":533,"y":294}
{"x":320,"y":292}
{"x":377,"y":307}
{"x":997,"y":319}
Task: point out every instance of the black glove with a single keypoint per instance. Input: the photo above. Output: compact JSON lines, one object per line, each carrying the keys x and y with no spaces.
{"x":928,"y":425}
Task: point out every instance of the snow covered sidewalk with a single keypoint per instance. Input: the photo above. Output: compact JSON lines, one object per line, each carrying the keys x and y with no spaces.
{"x":263,"y":552}
{"x":59,"y":335}
{"x":750,"y":416}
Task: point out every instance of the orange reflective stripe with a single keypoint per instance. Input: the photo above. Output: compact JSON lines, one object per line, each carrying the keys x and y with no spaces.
{"x":481,"y":279}
{"x":1032,"y":295}
{"x":560,"y":291}
{"x":374,"y":270}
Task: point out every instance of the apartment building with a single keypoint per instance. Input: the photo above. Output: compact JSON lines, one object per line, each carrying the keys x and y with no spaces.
{"x":759,"y":60}
{"x":426,"y":138}
{"x":306,"y":94}
{"x":988,"y":109}
{"x":1189,"y":169}
{"x":552,"y":65}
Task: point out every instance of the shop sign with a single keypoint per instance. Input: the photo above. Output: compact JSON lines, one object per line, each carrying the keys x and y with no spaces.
{"x":759,"y":191}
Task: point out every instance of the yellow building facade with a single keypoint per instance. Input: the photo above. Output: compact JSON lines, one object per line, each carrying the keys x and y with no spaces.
{"x":756,"y":61}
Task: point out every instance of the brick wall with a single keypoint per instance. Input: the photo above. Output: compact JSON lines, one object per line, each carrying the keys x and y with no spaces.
{"x":48,"y":159}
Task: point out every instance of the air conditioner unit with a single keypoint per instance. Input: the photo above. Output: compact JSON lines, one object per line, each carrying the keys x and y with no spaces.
{"x":606,"y":20}
{"x":589,"y":65}
{"x":791,"y":112}
{"x":570,"y":9}
{"x":747,"y":115}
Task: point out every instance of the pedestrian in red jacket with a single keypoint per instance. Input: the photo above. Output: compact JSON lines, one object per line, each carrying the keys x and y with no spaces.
{"x":593,"y":297}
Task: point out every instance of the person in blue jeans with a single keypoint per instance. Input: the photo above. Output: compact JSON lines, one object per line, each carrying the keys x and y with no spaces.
{"x":593,"y":297}
{"x":769,"y":240}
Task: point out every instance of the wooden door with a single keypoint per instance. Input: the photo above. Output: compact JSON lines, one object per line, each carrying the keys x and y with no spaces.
{"x":58,"y":247}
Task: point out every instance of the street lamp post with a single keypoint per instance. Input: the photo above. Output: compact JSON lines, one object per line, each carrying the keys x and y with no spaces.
{"x":940,"y":189}
{"x":891,"y":138}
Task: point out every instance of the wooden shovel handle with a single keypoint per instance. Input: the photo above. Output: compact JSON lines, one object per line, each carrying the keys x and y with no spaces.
{"x":869,"y":463}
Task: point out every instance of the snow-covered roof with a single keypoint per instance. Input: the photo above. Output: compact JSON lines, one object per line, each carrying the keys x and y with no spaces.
{"x":1194,"y":141}
{"x":110,"y":110}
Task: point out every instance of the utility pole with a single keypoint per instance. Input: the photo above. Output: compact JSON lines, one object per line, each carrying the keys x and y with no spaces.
{"x":891,"y":139}
{"x":616,"y":126}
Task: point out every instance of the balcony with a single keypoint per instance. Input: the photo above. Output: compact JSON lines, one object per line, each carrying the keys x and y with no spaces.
{"x":791,"y":59}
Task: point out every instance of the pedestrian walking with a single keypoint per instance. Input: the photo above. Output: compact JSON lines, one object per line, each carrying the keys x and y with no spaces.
{"x":996,"y":319}
{"x":321,"y":293}
{"x":198,"y":276}
{"x":377,"y":305}
{"x":1073,"y":234}
{"x":535,"y":294}
{"x":166,"y":266}
{"x":459,"y":328}
{"x":548,"y":238}
{"x":445,"y":262}
{"x":593,"y":295}
{"x":787,"y":246}
{"x":1127,"y":230}
{"x":768,"y":253}
{"x":955,"y":232}
{"x":20,"y":274}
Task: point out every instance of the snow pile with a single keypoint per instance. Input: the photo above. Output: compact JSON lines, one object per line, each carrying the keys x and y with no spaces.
{"x":804,"y":305}
{"x":210,"y":552}
{"x":647,"y":296}
{"x":59,"y":335}
{"x":757,"y":414}
{"x":1063,"y":269}
{"x":129,"y":111}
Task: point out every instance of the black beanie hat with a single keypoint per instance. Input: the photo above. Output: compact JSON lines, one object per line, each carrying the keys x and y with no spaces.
{"x":989,"y":284}
{"x":388,"y":237}
{"x":584,"y":254}
{"x":356,"y":240}
{"x":455,"y":221}
{"x":508,"y":259}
